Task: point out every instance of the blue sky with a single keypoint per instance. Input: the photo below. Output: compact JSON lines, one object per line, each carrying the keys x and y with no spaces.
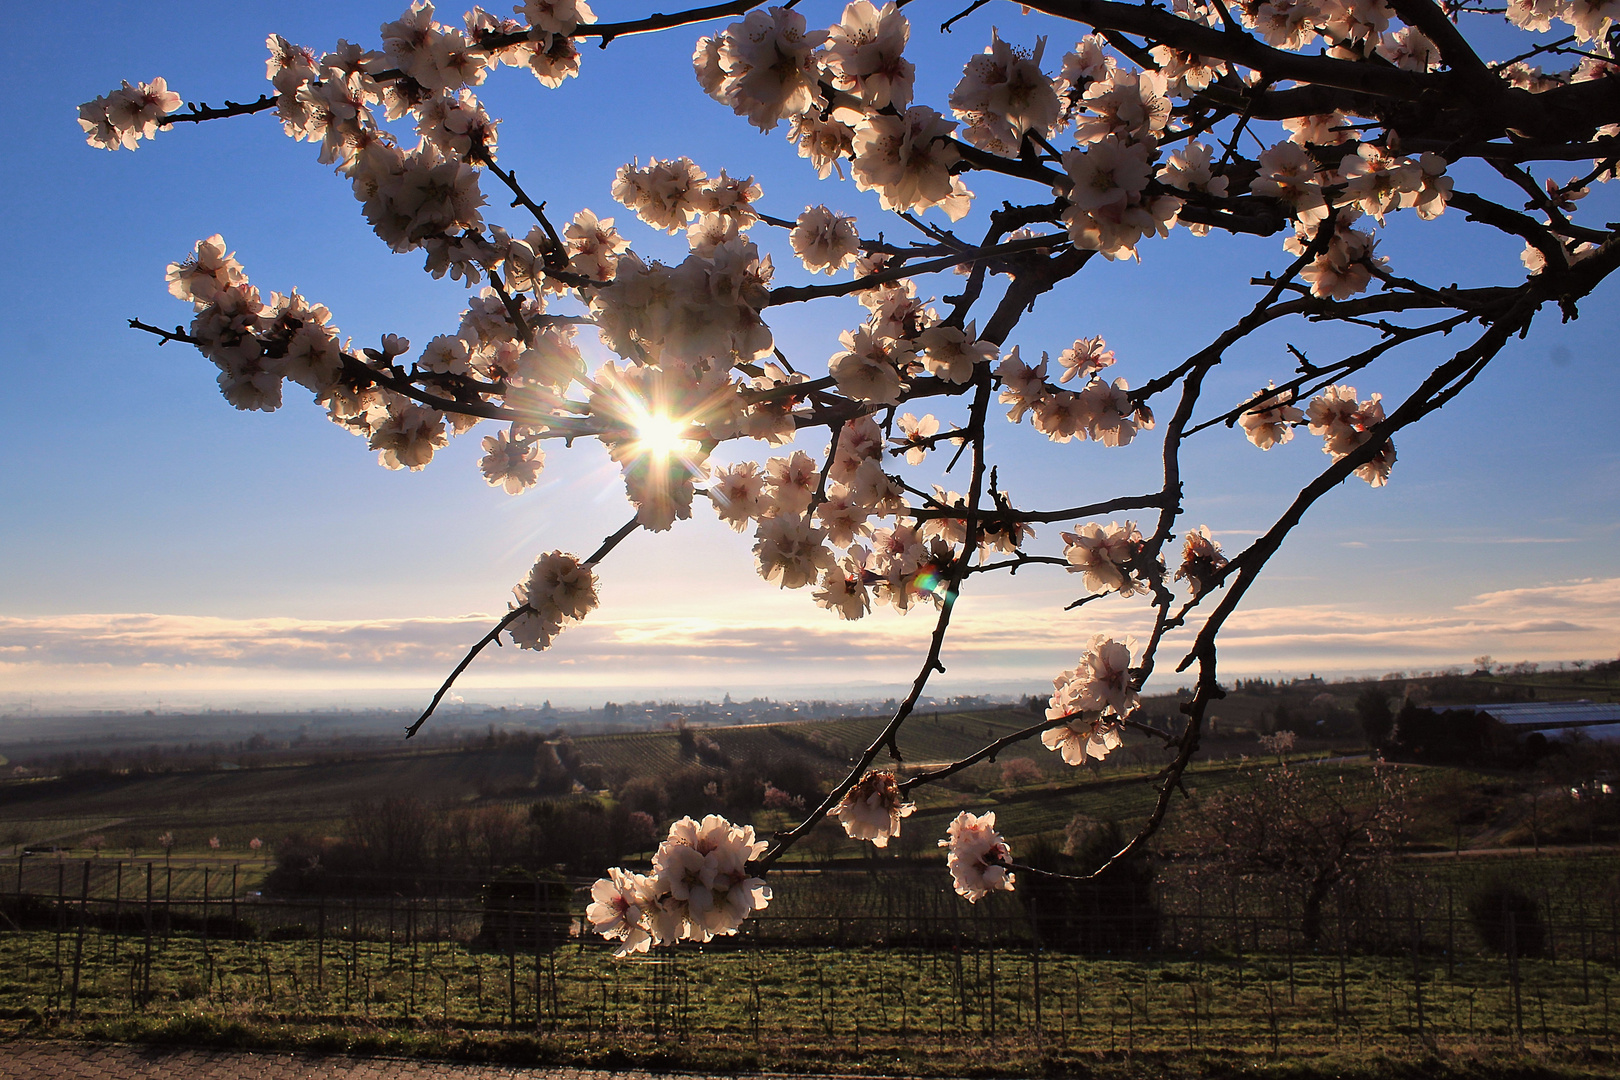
{"x":158,"y":543}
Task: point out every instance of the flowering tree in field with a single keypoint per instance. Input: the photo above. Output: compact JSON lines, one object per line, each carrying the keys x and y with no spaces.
{"x":1306,"y":827}
{"x":1315,"y":122}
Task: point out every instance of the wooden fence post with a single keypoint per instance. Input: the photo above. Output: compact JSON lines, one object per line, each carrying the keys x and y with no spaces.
{"x":78,"y":947}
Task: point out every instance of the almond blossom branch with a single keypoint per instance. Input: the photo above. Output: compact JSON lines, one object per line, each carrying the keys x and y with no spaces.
{"x":205,"y":111}
{"x":886,"y":738}
{"x":792,"y":294}
{"x":987,"y":752}
{"x":507,"y":620}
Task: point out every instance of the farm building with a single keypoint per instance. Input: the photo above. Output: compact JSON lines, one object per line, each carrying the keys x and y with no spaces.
{"x":1554,"y":720}
{"x":1502,"y":731}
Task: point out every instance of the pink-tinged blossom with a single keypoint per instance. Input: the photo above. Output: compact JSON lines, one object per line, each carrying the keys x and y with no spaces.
{"x":445,"y":355}
{"x":1320,"y":129}
{"x":1201,"y":561}
{"x":1434,"y":189}
{"x":824,"y":141}
{"x":127,"y":115}
{"x":556,"y":16}
{"x":1591,"y":19}
{"x":1065,"y":415}
{"x":1289,"y":173}
{"x":616,"y":910}
{"x":875,"y":489}
{"x":876,"y":492}
{"x":1285,"y":24}
{"x":1110,"y":210}
{"x":206,"y":272}
{"x":1115,"y":416}
{"x":825,"y":241}
{"x":842,"y":515}
{"x":843,"y":590}
{"x":859,"y":440}
{"x":1128,"y":105}
{"x":1086,"y":736}
{"x":873,"y":808}
{"x":1187,"y":73}
{"x":311,"y":356}
{"x":1534,"y":15}
{"x":1004,"y":95}
{"x":1084,"y":358}
{"x":1409,"y":50}
{"x":457,"y":123}
{"x":511,"y":464}
{"x":864,"y":55}
{"x":768,"y":67}
{"x":729,"y":197}
{"x":1104,"y":553}
{"x":409,"y":435}
{"x":897,"y":310}
{"x":869,"y":368}
{"x":1345,"y":268}
{"x":791,"y":482}
{"x":1190,"y":168}
{"x":953,"y":353}
{"x":916,"y":436}
{"x":706,"y":307}
{"x":1344,"y":423}
{"x":1101,"y":682}
{"x":978,"y":857}
{"x":1109,"y":173}
{"x":1088,"y":63}
{"x":664,"y":194}
{"x":1022,"y":386}
{"x":699,"y":888}
{"x":408,"y":198}
{"x":560,"y":590}
{"x":1377,"y":181}
{"x":737,"y":491}
{"x":906,"y":159}
{"x":593,"y":246}
{"x":1270,"y":417}
{"x":790,"y":552}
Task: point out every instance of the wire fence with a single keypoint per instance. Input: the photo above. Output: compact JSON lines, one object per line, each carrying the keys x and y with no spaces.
{"x":883,"y":957}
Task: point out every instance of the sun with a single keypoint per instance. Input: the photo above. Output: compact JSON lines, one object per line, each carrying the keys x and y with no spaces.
{"x":660,"y":436}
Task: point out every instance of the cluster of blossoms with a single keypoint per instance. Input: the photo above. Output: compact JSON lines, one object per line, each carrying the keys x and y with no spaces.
{"x":1092,"y":700}
{"x":1343,"y":422}
{"x":558,"y":591}
{"x":699,"y":888}
{"x":127,"y":115}
{"x":1101,"y":411}
{"x":1106,"y":555}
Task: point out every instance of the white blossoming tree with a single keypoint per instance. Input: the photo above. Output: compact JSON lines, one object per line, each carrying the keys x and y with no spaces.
{"x":1312,"y":121}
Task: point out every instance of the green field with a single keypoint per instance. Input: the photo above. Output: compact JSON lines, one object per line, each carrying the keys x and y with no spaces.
{"x":883,"y":1011}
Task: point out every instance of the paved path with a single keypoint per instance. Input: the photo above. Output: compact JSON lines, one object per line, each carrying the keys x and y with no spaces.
{"x":112,"y":1061}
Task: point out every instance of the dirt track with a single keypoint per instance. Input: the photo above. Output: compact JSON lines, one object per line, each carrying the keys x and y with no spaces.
{"x":110,"y":1061}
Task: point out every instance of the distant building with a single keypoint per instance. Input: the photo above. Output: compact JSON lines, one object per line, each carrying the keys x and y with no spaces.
{"x":1542,"y":715}
{"x":1531,"y":722}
